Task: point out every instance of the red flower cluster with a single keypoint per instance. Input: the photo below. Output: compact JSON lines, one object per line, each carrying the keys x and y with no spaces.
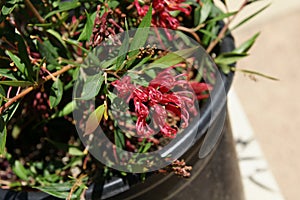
{"x":161,"y":16}
{"x":104,"y":26}
{"x":165,"y":95}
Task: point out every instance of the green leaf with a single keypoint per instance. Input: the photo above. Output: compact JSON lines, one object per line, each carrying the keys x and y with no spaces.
{"x":146,"y":147}
{"x":20,"y":170}
{"x":68,"y":109}
{"x":64,"y":6}
{"x":229,"y":58}
{"x":94,"y":119}
{"x":205,"y":11}
{"x":113,"y":4}
{"x":225,"y":68}
{"x":243,"y":48}
{"x":2,"y":91}
{"x":8,"y":114}
{"x":88,"y":28}
{"x":123,"y":50}
{"x":22,"y":49}
{"x":77,"y":44}
{"x":57,"y":36}
{"x":250,"y":17}
{"x":208,"y":33}
{"x":255,"y":73}
{"x":59,"y":190}
{"x":222,"y":16}
{"x":17,"y":83}
{"x":7,"y":10}
{"x":142,"y":62}
{"x":173,"y":58}
{"x":3,"y":134}
{"x":142,"y":32}
{"x":119,"y":139}
{"x":48,"y":51}
{"x":92,"y":86}
{"x":56,"y":93}
{"x":17,"y":61}
{"x":197,"y":15}
{"x":8,"y":73}
{"x":74,"y":151}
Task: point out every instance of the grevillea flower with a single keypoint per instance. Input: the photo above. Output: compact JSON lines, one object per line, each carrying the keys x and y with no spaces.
{"x":104,"y":26}
{"x":161,"y":16}
{"x":166,"y":95}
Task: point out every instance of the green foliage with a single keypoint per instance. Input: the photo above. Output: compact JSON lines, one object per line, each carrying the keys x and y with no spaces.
{"x":44,"y":48}
{"x":88,"y":28}
{"x":94,"y":119}
{"x":7,"y":8}
{"x":142,"y":32}
{"x":20,"y":170}
{"x":92,"y":86}
{"x":63,"y":7}
{"x":3,"y":134}
{"x":56,"y":93}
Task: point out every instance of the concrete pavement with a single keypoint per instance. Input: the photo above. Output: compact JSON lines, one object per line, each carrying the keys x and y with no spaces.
{"x":273,"y":108}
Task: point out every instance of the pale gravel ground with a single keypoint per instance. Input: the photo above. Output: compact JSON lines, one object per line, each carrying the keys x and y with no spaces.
{"x":273,"y":108}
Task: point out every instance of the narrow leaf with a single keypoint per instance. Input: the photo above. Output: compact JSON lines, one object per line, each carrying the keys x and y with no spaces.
{"x":142,"y":32}
{"x":10,"y":112}
{"x":56,"y":93}
{"x":229,"y":58}
{"x":74,"y":151}
{"x":64,"y":6}
{"x":57,"y":190}
{"x":88,"y":28}
{"x":94,"y":119}
{"x":3,"y":134}
{"x":17,"y":83}
{"x":250,"y":17}
{"x":208,"y":33}
{"x":205,"y":11}
{"x":243,"y":48}
{"x":23,"y":54}
{"x":17,"y":61}
{"x":173,"y":58}
{"x":146,"y":147}
{"x":7,"y":10}
{"x":123,"y":51}
{"x":255,"y":73}
{"x":20,"y":171}
{"x":68,"y":109}
{"x":222,"y":16}
{"x":7,"y":73}
{"x":119,"y":139}
{"x":57,"y":36}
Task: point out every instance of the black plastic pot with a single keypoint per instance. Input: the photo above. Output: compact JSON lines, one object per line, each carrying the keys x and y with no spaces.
{"x":214,"y":177}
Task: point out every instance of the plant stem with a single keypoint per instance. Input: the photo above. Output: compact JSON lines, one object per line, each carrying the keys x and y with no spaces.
{"x":225,"y":28}
{"x":191,"y":31}
{"x":36,"y":85}
{"x":35,"y":12}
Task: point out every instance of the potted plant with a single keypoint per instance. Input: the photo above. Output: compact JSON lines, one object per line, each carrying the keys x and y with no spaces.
{"x":102,"y":97}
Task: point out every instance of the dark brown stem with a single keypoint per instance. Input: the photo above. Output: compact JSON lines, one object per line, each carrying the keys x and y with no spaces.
{"x":35,"y":12}
{"x":36,"y":85}
{"x":224,"y":29}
